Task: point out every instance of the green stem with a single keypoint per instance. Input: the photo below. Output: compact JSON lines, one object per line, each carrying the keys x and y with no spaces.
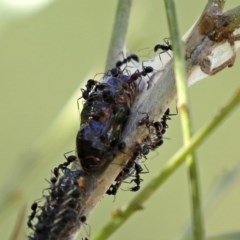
{"x":119,"y":32}
{"x":122,"y":215}
{"x":181,"y":83}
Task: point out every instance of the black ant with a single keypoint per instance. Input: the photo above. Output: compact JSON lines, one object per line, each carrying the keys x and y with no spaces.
{"x":116,"y":71}
{"x":158,"y":128}
{"x":130,"y":169}
{"x":114,"y":188}
{"x":85,"y":92}
{"x":83,"y":220}
{"x":137,"y":180}
{"x":62,"y":166}
{"x":141,"y":151}
{"x":125,"y":173}
{"x":34,"y":207}
{"x":145,"y":121}
{"x":126,"y":60}
{"x":53,"y":180}
{"x":165,"y":117}
{"x":157,"y":143}
{"x":142,"y":73}
{"x":89,"y":87}
{"x":164,"y":47}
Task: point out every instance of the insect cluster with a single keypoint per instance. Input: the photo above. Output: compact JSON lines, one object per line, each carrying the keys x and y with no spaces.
{"x":106,"y":109}
{"x":154,"y":139}
{"x":59,"y":215}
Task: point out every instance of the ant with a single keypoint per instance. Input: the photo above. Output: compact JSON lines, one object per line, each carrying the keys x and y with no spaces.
{"x":85,"y":92}
{"x":53,"y":180}
{"x":129,"y":170}
{"x":53,"y":185}
{"x":34,"y":207}
{"x":62,"y":166}
{"x":126,"y":60}
{"x":89,"y":87}
{"x":165,"y":117}
{"x":158,"y":128}
{"x":137,"y":180}
{"x":114,"y":188}
{"x":83,"y":220}
{"x":126,"y":172}
{"x":146,"y":121}
{"x":116,"y":71}
{"x":164,"y":47}
{"x":142,"y":73}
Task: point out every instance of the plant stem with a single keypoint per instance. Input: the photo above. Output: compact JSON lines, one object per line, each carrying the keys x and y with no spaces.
{"x":181,"y":84}
{"x":119,"y":32}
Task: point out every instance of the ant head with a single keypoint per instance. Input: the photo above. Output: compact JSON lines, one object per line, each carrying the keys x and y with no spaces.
{"x":71,"y":158}
{"x":133,"y":57}
{"x":34,"y":206}
{"x":148,"y":69}
{"x":116,"y":71}
{"x":157,"y":46}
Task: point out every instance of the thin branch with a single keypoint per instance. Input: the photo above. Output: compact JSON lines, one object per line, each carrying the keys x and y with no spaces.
{"x":181,"y":83}
{"x":119,"y":32}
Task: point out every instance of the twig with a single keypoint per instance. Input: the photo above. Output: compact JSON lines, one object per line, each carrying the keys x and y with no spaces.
{"x":119,"y":32}
{"x":181,"y":83}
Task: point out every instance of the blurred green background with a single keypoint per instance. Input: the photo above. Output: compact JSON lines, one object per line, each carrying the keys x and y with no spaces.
{"x":45,"y":56}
